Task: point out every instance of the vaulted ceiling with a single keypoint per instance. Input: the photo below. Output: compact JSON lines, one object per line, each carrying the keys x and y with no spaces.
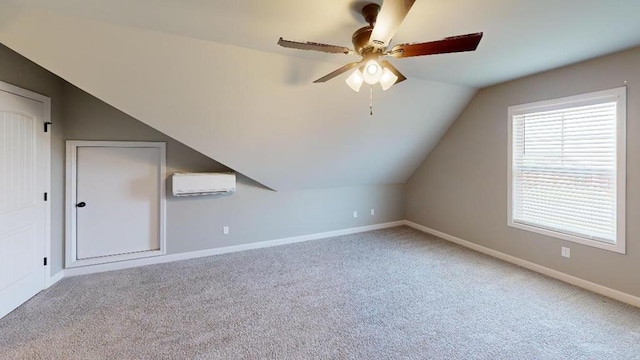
{"x":209,"y":73}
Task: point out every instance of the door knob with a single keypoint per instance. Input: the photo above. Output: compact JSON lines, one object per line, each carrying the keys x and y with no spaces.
{"x":81,"y":204}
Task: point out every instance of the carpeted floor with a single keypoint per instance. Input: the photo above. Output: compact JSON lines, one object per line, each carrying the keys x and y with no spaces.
{"x":388,"y":294}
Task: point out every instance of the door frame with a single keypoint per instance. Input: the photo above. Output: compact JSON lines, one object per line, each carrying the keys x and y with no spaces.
{"x":46,"y":101}
{"x":72,"y":146}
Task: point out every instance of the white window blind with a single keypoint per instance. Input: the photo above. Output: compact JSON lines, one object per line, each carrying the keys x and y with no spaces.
{"x":564,"y":170}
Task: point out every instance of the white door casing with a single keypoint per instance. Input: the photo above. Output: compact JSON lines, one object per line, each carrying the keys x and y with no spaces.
{"x":115,"y":201}
{"x":24,"y":180}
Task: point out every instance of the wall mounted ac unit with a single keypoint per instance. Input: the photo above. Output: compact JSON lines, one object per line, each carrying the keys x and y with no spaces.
{"x":196,"y":184}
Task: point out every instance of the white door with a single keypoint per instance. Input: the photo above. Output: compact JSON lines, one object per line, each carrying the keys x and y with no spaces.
{"x":23,"y":166}
{"x":117,"y":203}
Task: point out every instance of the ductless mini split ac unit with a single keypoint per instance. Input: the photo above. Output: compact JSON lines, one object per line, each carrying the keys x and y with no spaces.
{"x":198,"y":184}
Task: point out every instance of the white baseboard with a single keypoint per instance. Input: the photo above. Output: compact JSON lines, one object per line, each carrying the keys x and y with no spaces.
{"x":223,"y":250}
{"x":54,"y":279}
{"x":585,"y":284}
{"x":602,"y":290}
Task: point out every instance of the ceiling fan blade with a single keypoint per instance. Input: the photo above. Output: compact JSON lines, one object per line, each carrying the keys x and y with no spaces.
{"x":389,"y":19}
{"x":337,"y":72}
{"x":392,"y":68}
{"x":333,"y":49}
{"x":452,"y":44}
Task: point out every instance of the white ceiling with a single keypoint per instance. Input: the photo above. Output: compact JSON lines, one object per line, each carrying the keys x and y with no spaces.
{"x":256,"y":112}
{"x":242,"y":100}
{"x":522,"y":37}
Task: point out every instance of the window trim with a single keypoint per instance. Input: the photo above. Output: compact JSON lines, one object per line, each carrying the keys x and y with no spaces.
{"x":620,"y":96}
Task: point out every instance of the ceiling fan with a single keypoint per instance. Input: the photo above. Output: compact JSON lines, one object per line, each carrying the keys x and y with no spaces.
{"x":372,"y":43}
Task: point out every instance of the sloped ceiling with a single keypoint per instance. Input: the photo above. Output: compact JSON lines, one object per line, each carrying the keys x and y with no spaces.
{"x":209,"y":73}
{"x":522,"y":37}
{"x":253,"y":111}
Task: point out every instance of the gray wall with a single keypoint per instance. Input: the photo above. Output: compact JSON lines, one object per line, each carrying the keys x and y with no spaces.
{"x":254,"y":213}
{"x":461,"y":188}
{"x":18,"y":71}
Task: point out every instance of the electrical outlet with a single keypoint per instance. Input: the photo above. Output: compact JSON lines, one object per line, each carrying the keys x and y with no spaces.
{"x":566,"y":252}
{"x":355,"y":214}
{"x":225,"y":230}
{"x":373,"y":212}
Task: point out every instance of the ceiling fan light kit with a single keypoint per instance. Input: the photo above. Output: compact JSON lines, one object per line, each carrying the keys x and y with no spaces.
{"x":372,"y":43}
{"x":373,"y":74}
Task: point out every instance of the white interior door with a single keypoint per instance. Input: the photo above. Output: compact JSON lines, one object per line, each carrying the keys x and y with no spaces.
{"x":117,"y":205}
{"x":23,"y":214}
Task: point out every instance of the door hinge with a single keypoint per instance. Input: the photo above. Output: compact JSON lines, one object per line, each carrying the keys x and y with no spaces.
{"x":46,"y":126}
{"x":45,"y":196}
{"x":45,"y":261}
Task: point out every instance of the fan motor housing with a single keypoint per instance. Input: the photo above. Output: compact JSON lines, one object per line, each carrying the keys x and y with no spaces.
{"x":361,"y":38}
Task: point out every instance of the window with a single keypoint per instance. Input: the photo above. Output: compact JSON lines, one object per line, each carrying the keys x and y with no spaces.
{"x":567,"y":168}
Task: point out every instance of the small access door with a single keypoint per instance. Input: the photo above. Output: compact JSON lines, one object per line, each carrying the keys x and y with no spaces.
{"x":118,"y":200}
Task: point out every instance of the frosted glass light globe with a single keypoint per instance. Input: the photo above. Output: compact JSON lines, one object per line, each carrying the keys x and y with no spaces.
{"x":355,"y":80}
{"x":372,"y":72}
{"x":388,"y":79}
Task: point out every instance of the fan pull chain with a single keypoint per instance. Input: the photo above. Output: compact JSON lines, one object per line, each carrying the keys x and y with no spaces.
{"x":371,"y":100}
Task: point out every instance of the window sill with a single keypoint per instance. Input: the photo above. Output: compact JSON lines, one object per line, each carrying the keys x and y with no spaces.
{"x":619,"y":247}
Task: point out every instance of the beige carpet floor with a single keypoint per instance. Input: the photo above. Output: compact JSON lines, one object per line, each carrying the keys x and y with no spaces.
{"x":388,"y":294}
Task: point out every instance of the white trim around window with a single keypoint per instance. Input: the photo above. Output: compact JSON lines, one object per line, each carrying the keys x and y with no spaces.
{"x":571,"y":145}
